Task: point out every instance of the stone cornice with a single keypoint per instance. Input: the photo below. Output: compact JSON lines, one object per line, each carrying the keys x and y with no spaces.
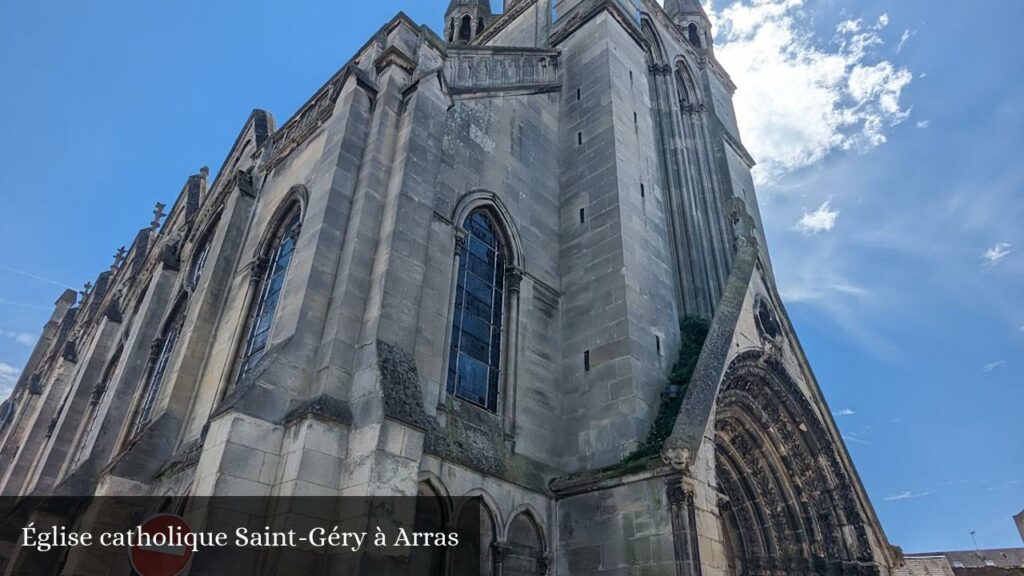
{"x":577,"y":21}
{"x":315,"y":113}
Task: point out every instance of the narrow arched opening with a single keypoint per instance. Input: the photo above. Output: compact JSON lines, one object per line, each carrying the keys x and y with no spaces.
{"x":431,"y":517}
{"x":476,"y":530}
{"x":525,"y":548}
{"x":466,"y":29}
{"x":693,"y":35}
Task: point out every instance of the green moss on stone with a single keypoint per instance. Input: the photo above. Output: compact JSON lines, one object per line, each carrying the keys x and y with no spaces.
{"x":693,"y":331}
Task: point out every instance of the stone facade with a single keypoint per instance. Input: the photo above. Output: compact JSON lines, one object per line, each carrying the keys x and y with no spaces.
{"x":297,"y":326}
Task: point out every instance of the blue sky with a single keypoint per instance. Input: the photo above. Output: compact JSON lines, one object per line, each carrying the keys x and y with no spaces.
{"x":889,"y":136}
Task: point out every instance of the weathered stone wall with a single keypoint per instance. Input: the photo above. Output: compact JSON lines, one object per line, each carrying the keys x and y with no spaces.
{"x":617,"y":296}
{"x":606,"y":148}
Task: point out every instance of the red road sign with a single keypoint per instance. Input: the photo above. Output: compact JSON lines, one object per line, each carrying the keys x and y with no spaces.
{"x":162,"y":560}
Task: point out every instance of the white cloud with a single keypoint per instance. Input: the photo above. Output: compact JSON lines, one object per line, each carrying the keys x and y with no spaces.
{"x":821,"y":220}
{"x":856,"y":439}
{"x":36,"y":277}
{"x":815,"y":288}
{"x":924,"y":124}
{"x":993,"y":366}
{"x":907,"y":35}
{"x":1006,"y":485}
{"x":846,"y":412}
{"x":22,"y":338}
{"x":908,"y":495}
{"x":8,"y":378}
{"x":800,"y":98}
{"x":995,"y":254}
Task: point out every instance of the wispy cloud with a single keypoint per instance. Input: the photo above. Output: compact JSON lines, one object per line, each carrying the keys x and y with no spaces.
{"x":1006,"y":485}
{"x":8,"y":378}
{"x":855,"y":438}
{"x":907,"y":35}
{"x":996,"y":254}
{"x":993,"y":366}
{"x":821,"y":220}
{"x":800,"y":97}
{"x":908,"y":495}
{"x":32,"y":276}
{"x":923,"y":124}
{"x":23,"y":338}
{"x":6,"y":302}
{"x":845,"y":412}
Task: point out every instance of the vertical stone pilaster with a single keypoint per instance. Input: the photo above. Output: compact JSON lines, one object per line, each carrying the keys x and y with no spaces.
{"x":685,"y":534}
{"x":513,"y":281}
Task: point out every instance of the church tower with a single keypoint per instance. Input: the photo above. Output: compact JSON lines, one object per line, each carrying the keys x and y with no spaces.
{"x":465,"y":20}
{"x":693,"y":20}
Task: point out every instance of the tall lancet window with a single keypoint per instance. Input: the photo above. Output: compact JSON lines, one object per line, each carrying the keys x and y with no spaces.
{"x":270,"y":279}
{"x":161,"y":355}
{"x":475,"y":356}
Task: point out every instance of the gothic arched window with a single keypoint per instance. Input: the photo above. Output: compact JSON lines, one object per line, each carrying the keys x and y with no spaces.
{"x":271,"y":276}
{"x":694,"y":34}
{"x":162,"y":351}
{"x":475,"y":355}
{"x":466,"y":29}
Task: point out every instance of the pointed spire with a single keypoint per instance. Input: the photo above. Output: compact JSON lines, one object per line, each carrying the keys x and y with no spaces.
{"x":691,"y":8}
{"x":465,"y":20}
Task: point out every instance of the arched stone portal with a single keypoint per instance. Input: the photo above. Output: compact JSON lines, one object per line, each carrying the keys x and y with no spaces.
{"x":788,"y":504}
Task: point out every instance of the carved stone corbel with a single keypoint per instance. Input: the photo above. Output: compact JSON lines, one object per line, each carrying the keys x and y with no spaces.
{"x":70,"y":352}
{"x":113,"y":312}
{"x":156,"y":348}
{"x":258,"y":269}
{"x":513,"y":280}
{"x":245,"y":183}
{"x":677,"y":454}
{"x":35,"y":385}
{"x":170,"y":254}
{"x":460,"y":242}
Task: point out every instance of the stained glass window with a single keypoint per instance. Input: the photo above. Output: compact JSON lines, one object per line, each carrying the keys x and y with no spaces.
{"x":280,"y":252}
{"x":475,"y":355}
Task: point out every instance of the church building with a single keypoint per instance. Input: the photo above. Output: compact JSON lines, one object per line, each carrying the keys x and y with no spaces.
{"x":515,"y":265}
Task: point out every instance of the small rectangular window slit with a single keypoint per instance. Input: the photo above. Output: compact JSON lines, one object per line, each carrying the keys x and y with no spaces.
{"x":657,"y":342}
{"x":579,"y":138}
{"x":583,"y":215}
{"x":586,"y":361}
{"x":643,"y":193}
{"x":579,"y":95}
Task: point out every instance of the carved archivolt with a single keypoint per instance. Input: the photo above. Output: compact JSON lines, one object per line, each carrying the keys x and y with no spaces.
{"x":788,"y":499}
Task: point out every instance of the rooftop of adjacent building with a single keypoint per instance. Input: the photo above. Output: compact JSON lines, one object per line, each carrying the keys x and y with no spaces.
{"x":996,"y":558}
